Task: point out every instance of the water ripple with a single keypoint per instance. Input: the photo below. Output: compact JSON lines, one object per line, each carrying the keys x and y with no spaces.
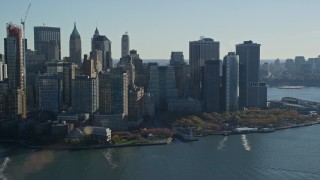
{"x":3,"y":167}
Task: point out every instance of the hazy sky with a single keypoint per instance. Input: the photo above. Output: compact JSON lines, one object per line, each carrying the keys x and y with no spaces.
{"x":284,"y":28}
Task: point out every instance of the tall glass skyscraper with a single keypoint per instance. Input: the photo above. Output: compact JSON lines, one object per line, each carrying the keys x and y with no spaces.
{"x":230,"y":83}
{"x":13,"y":46}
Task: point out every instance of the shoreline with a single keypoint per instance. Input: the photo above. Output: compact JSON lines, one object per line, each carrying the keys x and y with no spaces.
{"x":91,"y":146}
{"x":22,"y":143}
{"x":226,"y":133}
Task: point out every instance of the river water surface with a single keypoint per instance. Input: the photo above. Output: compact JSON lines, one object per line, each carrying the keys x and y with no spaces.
{"x":285,"y":154}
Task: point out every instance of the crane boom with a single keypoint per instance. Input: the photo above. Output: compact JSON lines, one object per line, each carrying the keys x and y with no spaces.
{"x":24,"y":48}
{"x":25,"y":17}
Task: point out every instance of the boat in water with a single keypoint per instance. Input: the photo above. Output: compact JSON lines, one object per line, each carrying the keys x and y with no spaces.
{"x":290,"y":87}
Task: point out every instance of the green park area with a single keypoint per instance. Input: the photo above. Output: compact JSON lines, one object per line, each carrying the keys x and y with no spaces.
{"x":247,"y":118}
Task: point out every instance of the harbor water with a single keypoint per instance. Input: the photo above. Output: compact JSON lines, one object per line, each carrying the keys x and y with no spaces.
{"x":285,"y":154}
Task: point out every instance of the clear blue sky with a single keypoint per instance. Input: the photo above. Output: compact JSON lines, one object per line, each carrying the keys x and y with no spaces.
{"x":285,"y":28}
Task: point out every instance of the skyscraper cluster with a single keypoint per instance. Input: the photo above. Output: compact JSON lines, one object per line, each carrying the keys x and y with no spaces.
{"x":122,"y":95}
{"x":228,"y":85}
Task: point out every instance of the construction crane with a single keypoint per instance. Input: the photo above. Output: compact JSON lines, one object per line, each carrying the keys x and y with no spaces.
{"x":23,"y":21}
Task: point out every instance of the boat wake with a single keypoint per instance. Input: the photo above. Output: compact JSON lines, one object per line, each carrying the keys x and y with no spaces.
{"x":108,"y":155}
{"x":222,"y":143}
{"x":245,"y":142}
{"x":3,"y":167}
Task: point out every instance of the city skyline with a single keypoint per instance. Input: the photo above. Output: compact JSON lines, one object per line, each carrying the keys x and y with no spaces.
{"x":285,"y":29}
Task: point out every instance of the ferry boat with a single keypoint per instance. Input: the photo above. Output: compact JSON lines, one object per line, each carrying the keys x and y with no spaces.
{"x":290,"y":87}
{"x":243,"y":130}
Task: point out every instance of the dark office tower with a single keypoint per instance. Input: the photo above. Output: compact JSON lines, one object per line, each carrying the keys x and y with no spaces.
{"x":252,"y":93}
{"x":113,"y":92}
{"x":125,"y":46}
{"x":162,"y":85}
{"x":3,"y":97}
{"x":75,"y":46}
{"x":13,"y":47}
{"x":66,"y":71}
{"x":102,"y":43}
{"x":88,"y":67}
{"x":135,"y":102}
{"x":180,"y":71}
{"x":230,"y":83}
{"x":85,"y":94}
{"x":35,"y":64}
{"x":199,"y":52}
{"x":53,"y":50}
{"x":42,"y":38}
{"x":211,"y":87}
{"x":48,"y":88}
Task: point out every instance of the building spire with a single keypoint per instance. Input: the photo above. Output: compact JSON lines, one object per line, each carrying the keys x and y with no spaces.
{"x":96,"y":32}
{"x":75,"y":31}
